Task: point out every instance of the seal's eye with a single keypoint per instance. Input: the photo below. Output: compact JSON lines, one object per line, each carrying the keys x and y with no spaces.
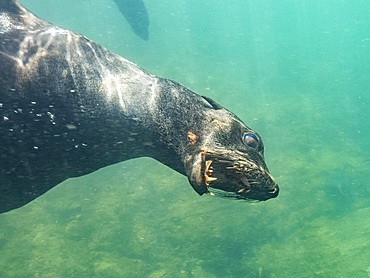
{"x":251,"y":140}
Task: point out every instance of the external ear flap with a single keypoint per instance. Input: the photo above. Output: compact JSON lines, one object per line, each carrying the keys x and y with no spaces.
{"x":211,"y":102}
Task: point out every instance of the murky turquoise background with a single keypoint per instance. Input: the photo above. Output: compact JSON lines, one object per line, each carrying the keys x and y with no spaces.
{"x":298,"y":72}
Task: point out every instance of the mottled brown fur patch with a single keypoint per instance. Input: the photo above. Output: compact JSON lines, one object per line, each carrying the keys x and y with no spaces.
{"x":192,"y":138}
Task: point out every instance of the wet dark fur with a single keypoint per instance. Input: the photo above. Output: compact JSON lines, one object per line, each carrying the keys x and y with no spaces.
{"x":68,"y":107}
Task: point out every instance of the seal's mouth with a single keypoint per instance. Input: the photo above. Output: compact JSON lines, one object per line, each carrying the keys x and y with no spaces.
{"x":230,"y":174}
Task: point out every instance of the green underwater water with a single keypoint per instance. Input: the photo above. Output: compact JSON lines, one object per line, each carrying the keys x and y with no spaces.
{"x":298,"y":72}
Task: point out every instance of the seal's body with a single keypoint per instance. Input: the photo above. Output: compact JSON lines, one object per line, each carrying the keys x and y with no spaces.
{"x":68,"y":107}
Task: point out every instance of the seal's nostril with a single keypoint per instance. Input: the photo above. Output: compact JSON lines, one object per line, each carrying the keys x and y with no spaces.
{"x":275,"y":191}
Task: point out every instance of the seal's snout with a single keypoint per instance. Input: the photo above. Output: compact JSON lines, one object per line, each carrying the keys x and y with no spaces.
{"x":237,"y":177}
{"x":272,"y":192}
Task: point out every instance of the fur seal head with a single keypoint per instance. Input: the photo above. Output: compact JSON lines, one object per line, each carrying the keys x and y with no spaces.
{"x":225,"y":158}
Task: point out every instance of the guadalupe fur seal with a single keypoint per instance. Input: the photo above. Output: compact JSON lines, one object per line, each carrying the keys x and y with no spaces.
{"x":69,"y":107}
